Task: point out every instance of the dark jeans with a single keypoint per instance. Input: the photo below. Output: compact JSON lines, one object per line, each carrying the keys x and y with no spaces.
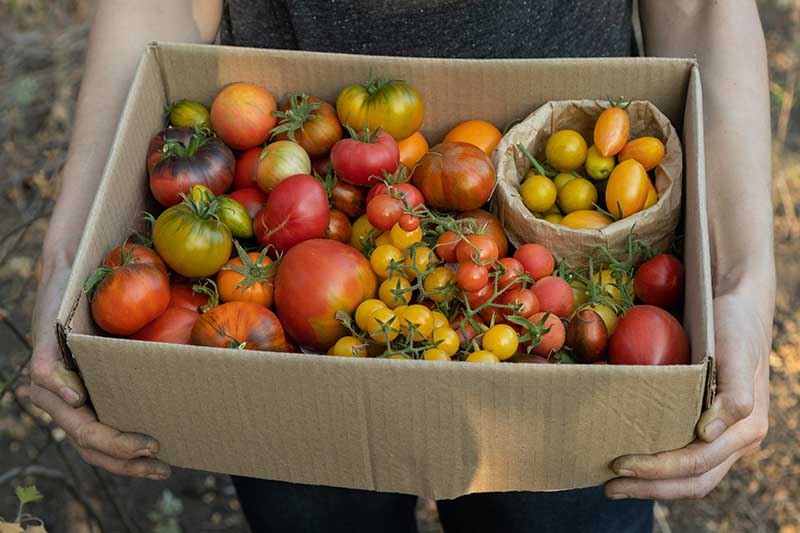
{"x":287,"y":507}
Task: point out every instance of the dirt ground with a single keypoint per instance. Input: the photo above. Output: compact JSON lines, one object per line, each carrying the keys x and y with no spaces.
{"x":44,"y":44}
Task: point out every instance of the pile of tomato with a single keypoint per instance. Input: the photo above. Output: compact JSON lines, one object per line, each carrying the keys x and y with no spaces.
{"x":616,"y":183}
{"x":338,"y":230}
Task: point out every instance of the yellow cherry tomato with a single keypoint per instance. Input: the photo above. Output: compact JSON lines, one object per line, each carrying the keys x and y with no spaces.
{"x":419,"y":318}
{"x":417,"y":259}
{"x":365,"y":310}
{"x":554,"y":218}
{"x":435,"y":354}
{"x":607,"y":314}
{"x":362,"y":233}
{"x":382,"y":257}
{"x":561,"y":179}
{"x":395,"y":291}
{"x":382,"y":325}
{"x":501,"y":340}
{"x":439,"y":320}
{"x":652,"y":196}
{"x":402,"y":239}
{"x":597,"y":165}
{"x":440,"y":284}
{"x":349,"y":346}
{"x":566,"y":150}
{"x":577,"y":195}
{"x":585,"y":219}
{"x":607,"y":281}
{"x":538,"y":193}
{"x":382,"y":239}
{"x":446,"y":339}
{"x":482,"y":356}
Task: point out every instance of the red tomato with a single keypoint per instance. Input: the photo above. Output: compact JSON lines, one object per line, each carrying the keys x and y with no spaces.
{"x":491,"y":226}
{"x":383,"y":212}
{"x":446,"y":246}
{"x":480,"y":297}
{"x":511,"y":269}
{"x":252,"y":199}
{"x":406,"y":191}
{"x":467,"y":332}
{"x":477,"y":248}
{"x":339,"y":228}
{"x":363,"y":159}
{"x":179,"y":158}
{"x":322,"y":165}
{"x":587,"y":335}
{"x":455,"y":176}
{"x":134,"y":253}
{"x":246,"y":173}
{"x":127,"y":297}
{"x":660,"y":281}
{"x":297,"y":210}
{"x":348,"y":199}
{"x":316,"y":279}
{"x":408,"y":222}
{"x":173,"y":326}
{"x":472,"y":277}
{"x":648,"y":335}
{"x":526,"y":299}
{"x":555,"y":295}
{"x":182,"y":295}
{"x":553,"y":340}
{"x":536,"y":259}
{"x":241,"y":115}
{"x":242,"y":325}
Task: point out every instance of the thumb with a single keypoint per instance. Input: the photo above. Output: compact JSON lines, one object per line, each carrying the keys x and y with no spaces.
{"x":49,"y":372}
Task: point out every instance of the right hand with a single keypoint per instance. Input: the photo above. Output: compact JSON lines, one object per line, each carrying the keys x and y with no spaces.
{"x":61,"y":393}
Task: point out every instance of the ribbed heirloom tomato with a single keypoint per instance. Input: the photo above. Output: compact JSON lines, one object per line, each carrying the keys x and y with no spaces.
{"x":365,"y":156}
{"x":242,"y":325}
{"x":241,"y":115}
{"x":278,"y":161}
{"x":134,"y":253}
{"x":316,"y":279}
{"x":309,"y":122}
{"x":392,"y":105}
{"x":455,"y":176}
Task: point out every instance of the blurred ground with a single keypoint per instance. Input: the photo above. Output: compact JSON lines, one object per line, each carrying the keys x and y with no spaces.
{"x":44,"y":44}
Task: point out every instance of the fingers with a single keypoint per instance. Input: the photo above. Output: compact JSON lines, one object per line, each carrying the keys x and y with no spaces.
{"x":48,"y":371}
{"x":121,"y":453}
{"x":669,"y":489}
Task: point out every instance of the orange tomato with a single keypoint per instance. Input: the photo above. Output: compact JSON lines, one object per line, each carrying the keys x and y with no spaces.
{"x":412,"y":149}
{"x":253,"y":282}
{"x":648,"y":151}
{"x":652,"y":196}
{"x":478,"y":133}
{"x":585,"y":219}
{"x":611,"y":131}
{"x":627,"y":189}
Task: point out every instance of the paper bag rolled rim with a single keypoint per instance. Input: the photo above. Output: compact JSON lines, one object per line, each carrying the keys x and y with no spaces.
{"x":654,"y":226}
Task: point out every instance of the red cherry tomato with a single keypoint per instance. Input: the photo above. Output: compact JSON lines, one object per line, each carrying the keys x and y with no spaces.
{"x":554,"y":339}
{"x":408,"y":222}
{"x":477,"y":248}
{"x":512,"y":269}
{"x":660,"y":281}
{"x":383,"y":212}
{"x":446,"y":246}
{"x":480,"y":297}
{"x":587,"y":335}
{"x":536,"y":259}
{"x":472,"y":277}
{"x":555,"y":295}
{"x":405,"y":191}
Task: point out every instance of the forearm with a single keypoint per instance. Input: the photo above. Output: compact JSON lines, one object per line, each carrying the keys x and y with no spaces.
{"x":120,"y":32}
{"x":727,"y":40}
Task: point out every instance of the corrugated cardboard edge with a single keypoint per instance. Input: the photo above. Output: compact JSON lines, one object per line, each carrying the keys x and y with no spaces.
{"x":74,"y":290}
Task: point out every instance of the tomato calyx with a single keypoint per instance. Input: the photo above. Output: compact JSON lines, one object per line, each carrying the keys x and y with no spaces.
{"x":534,"y":331}
{"x":201,"y":202}
{"x":175,"y":148}
{"x":364,"y":136}
{"x":373,"y":86}
{"x":328,"y":182}
{"x":300,"y":111}
{"x":254,"y":271}
{"x":619,"y":102}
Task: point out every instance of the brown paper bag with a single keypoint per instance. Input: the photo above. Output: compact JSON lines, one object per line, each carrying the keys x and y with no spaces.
{"x":654,"y":226}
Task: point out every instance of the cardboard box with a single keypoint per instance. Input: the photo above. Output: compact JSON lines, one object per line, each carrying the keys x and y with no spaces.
{"x":435,"y":429}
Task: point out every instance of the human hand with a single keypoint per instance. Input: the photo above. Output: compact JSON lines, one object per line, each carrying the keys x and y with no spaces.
{"x":61,"y":393}
{"x":733,"y":426}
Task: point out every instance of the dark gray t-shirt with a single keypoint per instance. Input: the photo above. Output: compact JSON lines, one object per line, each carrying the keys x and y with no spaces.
{"x":435,"y":28}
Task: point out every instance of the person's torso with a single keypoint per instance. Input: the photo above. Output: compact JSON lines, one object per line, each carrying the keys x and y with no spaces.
{"x":434,"y":28}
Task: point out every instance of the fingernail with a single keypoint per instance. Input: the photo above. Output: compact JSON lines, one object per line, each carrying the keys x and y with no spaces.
{"x":158,"y":476}
{"x":69,"y":395}
{"x":624,"y":468}
{"x":714,"y":429}
{"x":618,"y":496}
{"x":625,"y":472}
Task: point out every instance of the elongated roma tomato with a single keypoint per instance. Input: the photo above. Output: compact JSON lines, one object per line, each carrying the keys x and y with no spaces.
{"x":611,"y":131}
{"x":627,"y":189}
{"x":585,"y":219}
{"x":242,"y":325}
{"x":241,"y":115}
{"x":648,"y":151}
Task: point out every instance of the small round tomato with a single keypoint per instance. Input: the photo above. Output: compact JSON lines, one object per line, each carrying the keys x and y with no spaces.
{"x":554,"y":339}
{"x":510,"y":270}
{"x":417,"y":318}
{"x":577,"y":195}
{"x":348,"y":346}
{"x":408,"y":223}
{"x":435,"y":354}
{"x":246,"y":172}
{"x":383,"y":257}
{"x":446,"y":246}
{"x":660,"y":281}
{"x":555,"y":295}
{"x":439,"y":284}
{"x":417,"y":260}
{"x":480,"y":249}
{"x":278,"y":161}
{"x":554,"y":218}
{"x":611,"y":131}
{"x":537,"y":260}
{"x":363,"y":158}
{"x":391,"y":105}
{"x":409,"y":196}
{"x":585,"y":219}
{"x":480,"y":297}
{"x":587,"y":335}
{"x":339,"y":228}
{"x":365,"y":310}
{"x":403,"y":239}
{"x":562,"y":178}
{"x":566,"y":150}
{"x":382,"y":239}
{"x":482,"y":356}
{"x":501,"y":340}
{"x":468,"y":330}
{"x":383,"y":212}
{"x":525,"y":301}
{"x":648,"y":335}
{"x":247,"y":278}
{"x":412,"y":148}
{"x":487,"y":224}
{"x":598,"y":166}
{"x":363,"y":233}
{"x":347,"y":198}
{"x":251,"y":198}
{"x":188,"y":114}
{"x":648,"y":151}
{"x":383,"y":325}
{"x":395,"y":291}
{"x":626,"y":192}
{"x":477,"y":133}
{"x":472,"y":277}
{"x":538,"y":193}
{"x":439,"y":320}
{"x":446,"y":339}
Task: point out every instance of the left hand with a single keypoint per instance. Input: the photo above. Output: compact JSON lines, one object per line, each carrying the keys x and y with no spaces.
{"x":733,"y":426}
